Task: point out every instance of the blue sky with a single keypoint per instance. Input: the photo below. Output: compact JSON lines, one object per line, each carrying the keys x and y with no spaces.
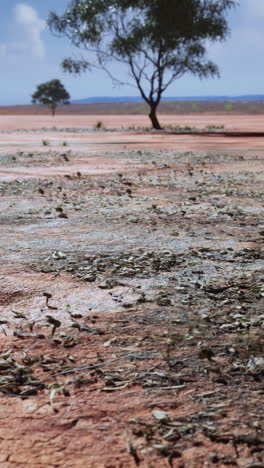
{"x":31,"y":55}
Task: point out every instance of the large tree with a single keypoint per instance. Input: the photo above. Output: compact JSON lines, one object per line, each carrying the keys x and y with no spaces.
{"x":158,"y":40}
{"x":52,"y":93}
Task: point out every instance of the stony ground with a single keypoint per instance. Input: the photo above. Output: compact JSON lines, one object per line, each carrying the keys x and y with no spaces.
{"x":132,"y":295}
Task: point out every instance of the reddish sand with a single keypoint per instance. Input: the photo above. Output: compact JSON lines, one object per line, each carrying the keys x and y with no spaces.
{"x":139,"y":358}
{"x":230,"y":121}
{"x":103,"y":141}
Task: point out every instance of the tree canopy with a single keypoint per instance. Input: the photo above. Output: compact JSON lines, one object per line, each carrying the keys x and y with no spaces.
{"x":158,"y":40}
{"x":52,"y":93}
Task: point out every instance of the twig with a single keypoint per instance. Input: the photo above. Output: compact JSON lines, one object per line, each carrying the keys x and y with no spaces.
{"x":92,"y":366}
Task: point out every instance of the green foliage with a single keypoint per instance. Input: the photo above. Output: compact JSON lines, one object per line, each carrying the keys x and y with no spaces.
{"x":194,"y":106}
{"x":159,"y":40}
{"x":253,"y":109}
{"x":229,"y":106}
{"x":214,"y":127}
{"x":52,"y":93}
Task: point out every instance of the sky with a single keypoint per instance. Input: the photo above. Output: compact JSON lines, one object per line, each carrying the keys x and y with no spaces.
{"x":31,"y":55}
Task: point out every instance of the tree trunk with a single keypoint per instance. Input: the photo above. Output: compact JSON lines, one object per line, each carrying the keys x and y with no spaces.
{"x":53,"y":109}
{"x":154,"y":119}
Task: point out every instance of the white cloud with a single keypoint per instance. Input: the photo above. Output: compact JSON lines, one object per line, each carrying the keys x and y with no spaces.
{"x":27,"y":17}
{"x":26,"y":40}
{"x":25,"y":14}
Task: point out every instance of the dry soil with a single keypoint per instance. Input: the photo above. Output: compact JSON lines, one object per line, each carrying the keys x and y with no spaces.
{"x":132,"y":293}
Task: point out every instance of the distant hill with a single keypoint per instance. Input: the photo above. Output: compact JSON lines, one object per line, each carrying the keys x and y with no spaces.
{"x":127,"y":99}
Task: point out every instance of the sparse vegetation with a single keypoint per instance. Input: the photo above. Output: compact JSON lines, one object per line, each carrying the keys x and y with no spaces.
{"x":165,"y":107}
{"x":229,"y":106}
{"x":194,"y":106}
{"x":215,"y":127}
{"x":99,"y":125}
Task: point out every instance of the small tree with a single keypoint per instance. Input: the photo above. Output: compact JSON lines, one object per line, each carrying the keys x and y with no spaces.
{"x":52,"y":93}
{"x":158,"y":40}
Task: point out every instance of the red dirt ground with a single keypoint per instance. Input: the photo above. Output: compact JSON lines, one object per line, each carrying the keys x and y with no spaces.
{"x":104,"y":141}
{"x":229,"y":121}
{"x":164,"y":367}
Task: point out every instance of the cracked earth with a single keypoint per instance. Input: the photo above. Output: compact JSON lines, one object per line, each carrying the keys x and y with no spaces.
{"x":132,"y":293}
